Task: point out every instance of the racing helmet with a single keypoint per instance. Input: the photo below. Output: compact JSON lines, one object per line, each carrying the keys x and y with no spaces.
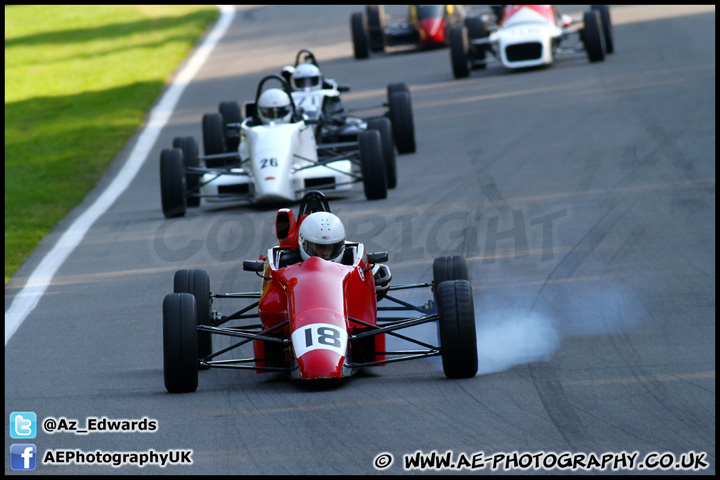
{"x":274,"y":106}
{"x":307,"y":77}
{"x":322,"y":234}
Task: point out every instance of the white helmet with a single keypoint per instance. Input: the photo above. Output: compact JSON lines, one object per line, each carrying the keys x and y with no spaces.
{"x":274,"y":106}
{"x":307,"y":77}
{"x":322,"y":234}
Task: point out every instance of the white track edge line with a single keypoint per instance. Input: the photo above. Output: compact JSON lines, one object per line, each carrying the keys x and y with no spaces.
{"x":27,"y":299}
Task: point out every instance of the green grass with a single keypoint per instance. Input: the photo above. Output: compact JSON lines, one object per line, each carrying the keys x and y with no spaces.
{"x":78,"y":82}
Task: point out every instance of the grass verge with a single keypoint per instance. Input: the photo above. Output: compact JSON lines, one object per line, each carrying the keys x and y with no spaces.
{"x":78,"y":82}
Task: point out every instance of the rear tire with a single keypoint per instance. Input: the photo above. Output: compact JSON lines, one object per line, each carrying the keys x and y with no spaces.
{"x":592,"y":36}
{"x":230,"y":113}
{"x":196,"y":282}
{"x":606,"y":26}
{"x":360,"y":37}
{"x":213,"y":134}
{"x":449,"y":268}
{"x":179,"y":343}
{"x":459,"y":51}
{"x":172,"y":183}
{"x":403,"y":125}
{"x":372,"y":165}
{"x":384,"y":127}
{"x":476,"y":29}
{"x":376,"y":26}
{"x":458,"y":343}
{"x":190,"y":159}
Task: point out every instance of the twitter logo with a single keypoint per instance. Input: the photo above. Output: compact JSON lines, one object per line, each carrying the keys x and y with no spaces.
{"x":23,"y":425}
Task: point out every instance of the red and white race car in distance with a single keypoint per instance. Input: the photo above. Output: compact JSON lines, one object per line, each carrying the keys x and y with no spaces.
{"x":528,"y":36}
{"x":318,"y":319}
{"x":425,"y":26}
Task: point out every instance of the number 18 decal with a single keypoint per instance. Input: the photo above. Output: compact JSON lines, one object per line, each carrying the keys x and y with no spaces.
{"x":319,"y":335}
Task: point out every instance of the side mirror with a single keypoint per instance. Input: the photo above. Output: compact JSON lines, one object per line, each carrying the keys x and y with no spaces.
{"x":343,"y":88}
{"x":253,"y":265}
{"x":377,"y":257}
{"x":284,"y":223}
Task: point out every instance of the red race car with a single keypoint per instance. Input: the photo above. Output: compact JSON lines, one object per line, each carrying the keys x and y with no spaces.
{"x":317,"y":310}
{"x":426,"y":26}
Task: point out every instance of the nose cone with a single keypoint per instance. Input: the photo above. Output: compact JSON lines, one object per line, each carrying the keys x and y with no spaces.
{"x":432,"y":31}
{"x":319,"y":364}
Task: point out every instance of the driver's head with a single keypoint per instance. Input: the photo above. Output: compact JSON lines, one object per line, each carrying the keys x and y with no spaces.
{"x":274,"y":106}
{"x":307,"y":77}
{"x":322,"y":234}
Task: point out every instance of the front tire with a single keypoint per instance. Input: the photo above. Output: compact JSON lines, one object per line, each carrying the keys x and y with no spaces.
{"x":449,"y":268}
{"x":476,"y":29}
{"x":179,"y":343}
{"x":230,"y":113}
{"x":172,"y":183}
{"x":196,"y":282}
{"x":384,"y":127}
{"x":403,"y":125}
{"x":213,"y":134}
{"x":376,"y":26}
{"x":372,"y":165}
{"x":458,"y":343}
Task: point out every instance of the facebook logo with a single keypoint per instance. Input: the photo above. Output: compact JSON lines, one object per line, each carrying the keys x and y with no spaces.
{"x":22,"y":456}
{"x":23,"y":425}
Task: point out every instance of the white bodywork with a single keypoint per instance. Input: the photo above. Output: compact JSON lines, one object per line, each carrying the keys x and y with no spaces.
{"x":526,"y":29}
{"x":273,"y":158}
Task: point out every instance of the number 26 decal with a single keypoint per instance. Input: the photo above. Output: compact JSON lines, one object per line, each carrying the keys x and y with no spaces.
{"x":319,"y":336}
{"x":268,"y":162}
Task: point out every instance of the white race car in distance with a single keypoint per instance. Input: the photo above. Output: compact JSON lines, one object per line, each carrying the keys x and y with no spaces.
{"x":275,"y":162}
{"x":529,"y":36}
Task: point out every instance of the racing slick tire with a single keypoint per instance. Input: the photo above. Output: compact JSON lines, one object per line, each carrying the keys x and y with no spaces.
{"x":213,"y":137}
{"x":196,"y":282}
{"x":397,"y":87}
{"x":376,"y":25}
{"x":458,"y":343}
{"x":476,"y":29}
{"x":180,"y":367}
{"x":172,"y":183}
{"x":230,"y":113}
{"x":459,"y":51}
{"x":383,"y":126}
{"x":403,"y":125}
{"x":592,"y":36}
{"x":606,"y":26}
{"x":190,"y":159}
{"x":360,"y":37}
{"x":449,"y":268}
{"x":372,"y":165}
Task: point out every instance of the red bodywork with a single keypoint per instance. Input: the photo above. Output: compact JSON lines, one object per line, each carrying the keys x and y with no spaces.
{"x":432,"y":32}
{"x":546,"y":11}
{"x":316,"y":297}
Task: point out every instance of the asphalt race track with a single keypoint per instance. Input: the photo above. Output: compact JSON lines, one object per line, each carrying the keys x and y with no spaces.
{"x":582,"y":195}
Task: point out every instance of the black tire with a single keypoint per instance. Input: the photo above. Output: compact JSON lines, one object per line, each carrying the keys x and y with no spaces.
{"x":196,"y":282}
{"x":172,"y":183}
{"x":384,"y":126}
{"x":230,"y":113}
{"x":476,"y":29}
{"x":360,"y":37}
{"x":372,"y":165}
{"x":190,"y":159}
{"x":376,"y":27}
{"x":458,"y":343}
{"x":397,"y":87}
{"x":606,"y":26}
{"x":459,"y":51}
{"x":179,"y":343}
{"x":403,"y":125}
{"x":592,"y":36}
{"x":213,"y":134}
{"x":449,"y":268}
